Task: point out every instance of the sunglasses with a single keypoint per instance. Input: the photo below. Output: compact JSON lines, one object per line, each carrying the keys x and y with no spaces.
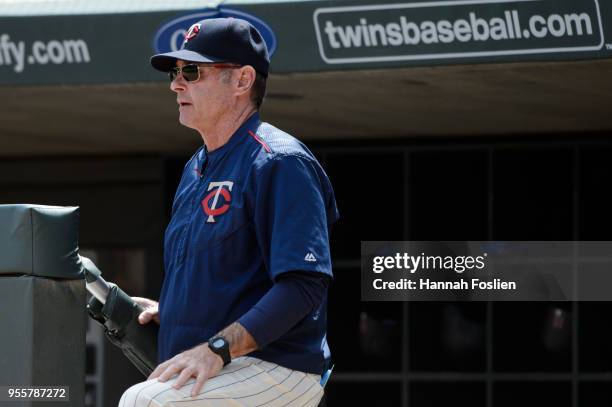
{"x":191,"y":72}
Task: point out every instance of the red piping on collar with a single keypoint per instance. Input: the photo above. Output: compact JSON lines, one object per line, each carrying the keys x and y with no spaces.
{"x":260,"y":141}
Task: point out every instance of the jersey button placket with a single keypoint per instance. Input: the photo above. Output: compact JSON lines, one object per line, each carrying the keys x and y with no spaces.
{"x":196,"y":192}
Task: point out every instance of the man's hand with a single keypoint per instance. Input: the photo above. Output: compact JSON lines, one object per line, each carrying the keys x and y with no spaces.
{"x":151,"y":310}
{"x":199,"y":362}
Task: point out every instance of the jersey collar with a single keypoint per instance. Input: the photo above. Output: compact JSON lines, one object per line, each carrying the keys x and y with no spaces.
{"x":250,"y":124}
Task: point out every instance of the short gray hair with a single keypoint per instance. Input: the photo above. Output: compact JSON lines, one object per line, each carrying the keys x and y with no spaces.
{"x":258,"y":90}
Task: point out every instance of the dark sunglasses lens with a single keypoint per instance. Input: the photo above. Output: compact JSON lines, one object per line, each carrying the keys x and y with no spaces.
{"x":190,"y":73}
{"x":172,"y":74}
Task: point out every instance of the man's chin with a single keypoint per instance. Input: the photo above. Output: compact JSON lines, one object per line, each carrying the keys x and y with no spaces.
{"x":185,"y":121}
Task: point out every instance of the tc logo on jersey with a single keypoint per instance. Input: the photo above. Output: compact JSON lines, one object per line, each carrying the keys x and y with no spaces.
{"x":215,"y":208}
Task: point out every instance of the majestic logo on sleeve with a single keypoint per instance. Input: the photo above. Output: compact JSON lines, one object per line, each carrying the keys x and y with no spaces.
{"x":310,"y":257}
{"x":216,"y":207}
{"x":192,"y":32}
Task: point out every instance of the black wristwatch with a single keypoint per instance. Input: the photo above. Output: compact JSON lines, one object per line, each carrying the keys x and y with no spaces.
{"x":220,"y":346}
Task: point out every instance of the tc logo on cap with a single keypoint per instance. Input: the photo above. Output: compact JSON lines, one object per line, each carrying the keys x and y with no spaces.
{"x":170,"y":36}
{"x":192,"y":32}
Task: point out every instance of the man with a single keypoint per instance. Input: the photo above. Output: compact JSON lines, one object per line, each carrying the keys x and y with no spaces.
{"x":247,"y":259}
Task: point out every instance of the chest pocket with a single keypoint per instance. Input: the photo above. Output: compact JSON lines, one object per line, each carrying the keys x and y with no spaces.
{"x":222,"y":214}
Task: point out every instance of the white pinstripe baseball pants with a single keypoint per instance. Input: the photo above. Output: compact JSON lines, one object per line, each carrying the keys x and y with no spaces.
{"x":247,"y":381}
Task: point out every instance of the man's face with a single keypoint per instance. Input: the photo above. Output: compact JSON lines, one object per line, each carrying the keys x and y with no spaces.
{"x":204,"y":100}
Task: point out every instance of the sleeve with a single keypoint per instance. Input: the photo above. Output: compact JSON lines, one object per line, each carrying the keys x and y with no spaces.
{"x":290,"y":215}
{"x":290,"y":299}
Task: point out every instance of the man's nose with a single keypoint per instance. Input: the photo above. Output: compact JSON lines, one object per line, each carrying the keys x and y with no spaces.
{"x":178,"y":84}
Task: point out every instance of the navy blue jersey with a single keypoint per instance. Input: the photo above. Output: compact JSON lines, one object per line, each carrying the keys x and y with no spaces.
{"x":243,"y":214}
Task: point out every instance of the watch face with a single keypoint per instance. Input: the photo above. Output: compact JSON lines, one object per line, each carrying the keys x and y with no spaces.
{"x":218,"y":343}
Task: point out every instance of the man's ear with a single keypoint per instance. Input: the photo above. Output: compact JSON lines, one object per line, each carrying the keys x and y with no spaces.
{"x":246,"y":79}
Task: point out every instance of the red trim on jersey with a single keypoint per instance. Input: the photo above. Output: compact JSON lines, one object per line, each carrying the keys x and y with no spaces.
{"x":260,"y":141}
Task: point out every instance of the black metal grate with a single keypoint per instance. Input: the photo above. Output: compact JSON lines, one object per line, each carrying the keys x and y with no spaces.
{"x":468,"y":354}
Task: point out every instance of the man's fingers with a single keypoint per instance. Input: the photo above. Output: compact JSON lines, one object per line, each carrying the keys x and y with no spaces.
{"x":150,"y":312}
{"x":158,"y":370}
{"x":200,"y":380}
{"x":170,"y":371}
{"x":155,"y":373}
{"x":144,"y":317}
{"x":184,"y":377}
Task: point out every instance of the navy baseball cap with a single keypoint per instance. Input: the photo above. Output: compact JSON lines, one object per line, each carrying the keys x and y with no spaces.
{"x":219,"y":40}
